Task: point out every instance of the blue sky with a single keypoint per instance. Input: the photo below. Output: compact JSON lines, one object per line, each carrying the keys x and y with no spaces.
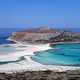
{"x":36,"y":13}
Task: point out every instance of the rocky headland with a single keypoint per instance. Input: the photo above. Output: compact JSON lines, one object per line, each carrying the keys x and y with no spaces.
{"x":45,"y":35}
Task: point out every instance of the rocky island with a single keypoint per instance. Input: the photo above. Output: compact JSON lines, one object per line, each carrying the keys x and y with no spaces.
{"x":45,"y":35}
{"x":28,"y":69}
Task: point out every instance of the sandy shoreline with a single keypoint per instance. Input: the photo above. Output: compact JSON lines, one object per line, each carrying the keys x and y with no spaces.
{"x":28,"y":64}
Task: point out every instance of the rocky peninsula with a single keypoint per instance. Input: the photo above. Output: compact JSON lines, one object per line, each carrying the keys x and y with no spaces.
{"x":45,"y":35}
{"x":36,"y":39}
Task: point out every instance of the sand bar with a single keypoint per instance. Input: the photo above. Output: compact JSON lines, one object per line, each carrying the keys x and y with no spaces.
{"x":28,"y":64}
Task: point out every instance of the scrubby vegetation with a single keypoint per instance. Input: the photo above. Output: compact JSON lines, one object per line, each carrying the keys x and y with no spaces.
{"x":41,"y":75}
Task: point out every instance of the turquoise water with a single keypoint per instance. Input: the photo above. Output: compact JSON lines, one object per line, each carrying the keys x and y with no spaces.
{"x":63,"y":54}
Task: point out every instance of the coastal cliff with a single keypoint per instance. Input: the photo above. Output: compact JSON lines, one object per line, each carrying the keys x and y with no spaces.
{"x":44,"y":35}
{"x":36,"y":35}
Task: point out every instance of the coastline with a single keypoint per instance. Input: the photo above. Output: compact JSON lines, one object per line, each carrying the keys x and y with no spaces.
{"x":28,"y":64}
{"x":66,"y":42}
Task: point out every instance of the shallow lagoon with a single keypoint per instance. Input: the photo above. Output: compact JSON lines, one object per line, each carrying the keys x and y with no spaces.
{"x":61,"y":54}
{"x":5,"y":49}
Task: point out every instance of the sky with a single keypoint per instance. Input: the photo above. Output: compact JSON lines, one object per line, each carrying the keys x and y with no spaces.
{"x":37,"y":13}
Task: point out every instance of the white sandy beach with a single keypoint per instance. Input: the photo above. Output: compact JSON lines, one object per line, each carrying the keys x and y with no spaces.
{"x":28,"y":64}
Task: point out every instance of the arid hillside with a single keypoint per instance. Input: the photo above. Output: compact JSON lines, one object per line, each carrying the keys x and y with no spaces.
{"x":45,"y":35}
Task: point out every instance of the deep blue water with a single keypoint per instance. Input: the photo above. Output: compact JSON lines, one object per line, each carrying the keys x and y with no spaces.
{"x":73,"y":29}
{"x":5,"y":33}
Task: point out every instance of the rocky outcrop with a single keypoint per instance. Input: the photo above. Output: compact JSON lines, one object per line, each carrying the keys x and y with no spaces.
{"x":35,"y":35}
{"x":41,"y":75}
{"x":44,"y":34}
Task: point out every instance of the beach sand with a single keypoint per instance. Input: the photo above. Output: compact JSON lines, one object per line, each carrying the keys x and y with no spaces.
{"x":28,"y":64}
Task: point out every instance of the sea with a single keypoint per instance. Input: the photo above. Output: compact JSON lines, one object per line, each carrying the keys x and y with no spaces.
{"x":5,"y":33}
{"x":5,"y":49}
